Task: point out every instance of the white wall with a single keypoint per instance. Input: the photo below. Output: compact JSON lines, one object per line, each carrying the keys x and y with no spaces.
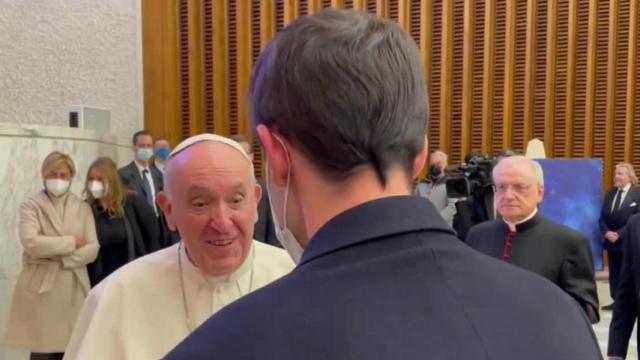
{"x":54,"y":53}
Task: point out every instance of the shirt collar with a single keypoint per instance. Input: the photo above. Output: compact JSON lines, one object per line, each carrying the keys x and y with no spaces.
{"x":372,"y":220}
{"x":194,"y":273}
{"x":513,"y":226}
{"x":140,"y":167}
{"x":626,"y":188}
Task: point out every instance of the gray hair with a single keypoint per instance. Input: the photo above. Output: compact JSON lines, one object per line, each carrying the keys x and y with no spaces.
{"x":347,"y":89}
{"x":536,"y":168}
{"x":440,"y":153}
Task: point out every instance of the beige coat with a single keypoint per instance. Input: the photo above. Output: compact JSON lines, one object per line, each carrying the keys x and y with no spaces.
{"x":50,"y":292}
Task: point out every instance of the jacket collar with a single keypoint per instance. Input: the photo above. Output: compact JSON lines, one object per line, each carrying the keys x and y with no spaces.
{"x":374,"y":219}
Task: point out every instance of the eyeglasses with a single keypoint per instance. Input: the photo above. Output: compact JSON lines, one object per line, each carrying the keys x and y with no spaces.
{"x":517,"y":188}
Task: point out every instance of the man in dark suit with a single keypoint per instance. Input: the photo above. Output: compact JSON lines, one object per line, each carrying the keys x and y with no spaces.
{"x":263,"y":229}
{"x":146,"y":180}
{"x":619,"y":204}
{"x":627,"y":304}
{"x":380,"y":274}
{"x":529,"y":240}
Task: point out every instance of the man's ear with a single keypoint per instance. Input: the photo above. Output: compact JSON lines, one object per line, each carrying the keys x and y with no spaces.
{"x":276,"y":153}
{"x":421,"y":159}
{"x":258,"y":192}
{"x":165,"y":205}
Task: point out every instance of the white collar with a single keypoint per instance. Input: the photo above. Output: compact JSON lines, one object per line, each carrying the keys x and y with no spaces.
{"x":626,"y":188}
{"x":512,"y":226}
{"x":139,"y":166}
{"x":194,"y":273}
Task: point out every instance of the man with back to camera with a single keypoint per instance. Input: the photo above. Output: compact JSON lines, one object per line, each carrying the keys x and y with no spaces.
{"x":340,"y":104}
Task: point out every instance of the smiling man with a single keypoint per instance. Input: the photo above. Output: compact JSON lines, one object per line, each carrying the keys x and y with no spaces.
{"x":148,"y":306}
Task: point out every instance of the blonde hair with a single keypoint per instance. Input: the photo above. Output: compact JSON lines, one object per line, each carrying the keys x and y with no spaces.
{"x":114,"y":192}
{"x":54,"y":160}
{"x":630,"y":171}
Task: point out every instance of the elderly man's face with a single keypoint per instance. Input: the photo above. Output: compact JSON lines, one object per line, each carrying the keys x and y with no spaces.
{"x":213,"y":204}
{"x":517,"y":191}
{"x":621,"y":177}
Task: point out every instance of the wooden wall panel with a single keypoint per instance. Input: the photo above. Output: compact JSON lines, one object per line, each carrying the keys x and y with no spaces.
{"x":632,"y":64}
{"x":517,"y":124}
{"x":477,"y":74}
{"x":634,"y":129}
{"x":498,"y":72}
{"x":436,"y":73}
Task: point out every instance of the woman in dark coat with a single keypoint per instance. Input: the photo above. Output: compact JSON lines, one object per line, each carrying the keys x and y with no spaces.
{"x":127,"y":227}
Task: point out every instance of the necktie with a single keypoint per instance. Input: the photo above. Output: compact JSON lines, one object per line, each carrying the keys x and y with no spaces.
{"x":147,"y":189}
{"x":507,"y":246}
{"x":616,"y":204}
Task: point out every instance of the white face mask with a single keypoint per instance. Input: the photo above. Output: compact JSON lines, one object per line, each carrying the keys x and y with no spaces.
{"x":96,"y":188}
{"x":57,"y":187}
{"x":284,"y":235}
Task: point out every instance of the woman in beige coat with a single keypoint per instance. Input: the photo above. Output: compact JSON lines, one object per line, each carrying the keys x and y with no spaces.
{"x":58,"y":235}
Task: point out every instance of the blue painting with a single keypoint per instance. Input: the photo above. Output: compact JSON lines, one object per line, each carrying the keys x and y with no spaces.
{"x":573,"y":197}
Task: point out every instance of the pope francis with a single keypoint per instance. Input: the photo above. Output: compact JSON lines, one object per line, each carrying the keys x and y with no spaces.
{"x":148,"y":306}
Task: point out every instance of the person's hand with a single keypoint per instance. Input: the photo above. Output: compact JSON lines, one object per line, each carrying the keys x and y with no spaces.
{"x":612,"y":236}
{"x":80,"y":242}
{"x":615,"y":358}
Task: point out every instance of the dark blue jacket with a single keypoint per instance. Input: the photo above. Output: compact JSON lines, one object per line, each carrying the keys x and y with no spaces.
{"x":389,"y":280}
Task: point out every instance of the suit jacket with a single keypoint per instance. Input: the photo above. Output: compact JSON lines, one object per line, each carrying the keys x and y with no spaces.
{"x":626,"y":307}
{"x":617,"y":220}
{"x":49,"y":293}
{"x":264,"y":229}
{"x":546,"y":248}
{"x":389,"y":280}
{"x":132,"y":179}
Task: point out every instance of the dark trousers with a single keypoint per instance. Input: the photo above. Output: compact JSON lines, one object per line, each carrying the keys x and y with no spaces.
{"x":615,"y":264}
{"x":46,"y":356}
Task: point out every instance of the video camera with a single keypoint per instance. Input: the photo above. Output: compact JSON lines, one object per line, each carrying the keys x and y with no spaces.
{"x":471,"y":179}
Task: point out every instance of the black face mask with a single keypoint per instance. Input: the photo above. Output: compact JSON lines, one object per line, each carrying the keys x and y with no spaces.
{"x":435,"y":172}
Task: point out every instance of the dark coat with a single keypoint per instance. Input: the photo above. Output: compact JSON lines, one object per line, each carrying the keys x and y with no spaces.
{"x":617,"y":220}
{"x":132,"y":180}
{"x":627,"y":305}
{"x":142,"y":234}
{"x":389,"y":280}
{"x":548,"y":249}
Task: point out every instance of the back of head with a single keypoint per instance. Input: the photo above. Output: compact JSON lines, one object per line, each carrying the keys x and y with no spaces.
{"x":347,"y":89}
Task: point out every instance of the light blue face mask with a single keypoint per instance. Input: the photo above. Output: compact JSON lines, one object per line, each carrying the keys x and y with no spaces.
{"x":144,"y":154}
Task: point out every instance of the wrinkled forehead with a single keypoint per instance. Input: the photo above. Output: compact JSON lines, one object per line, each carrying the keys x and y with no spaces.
{"x":513,"y":172}
{"x":208,"y":162}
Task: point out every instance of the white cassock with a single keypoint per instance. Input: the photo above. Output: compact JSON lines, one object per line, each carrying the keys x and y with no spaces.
{"x":139,"y":312}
